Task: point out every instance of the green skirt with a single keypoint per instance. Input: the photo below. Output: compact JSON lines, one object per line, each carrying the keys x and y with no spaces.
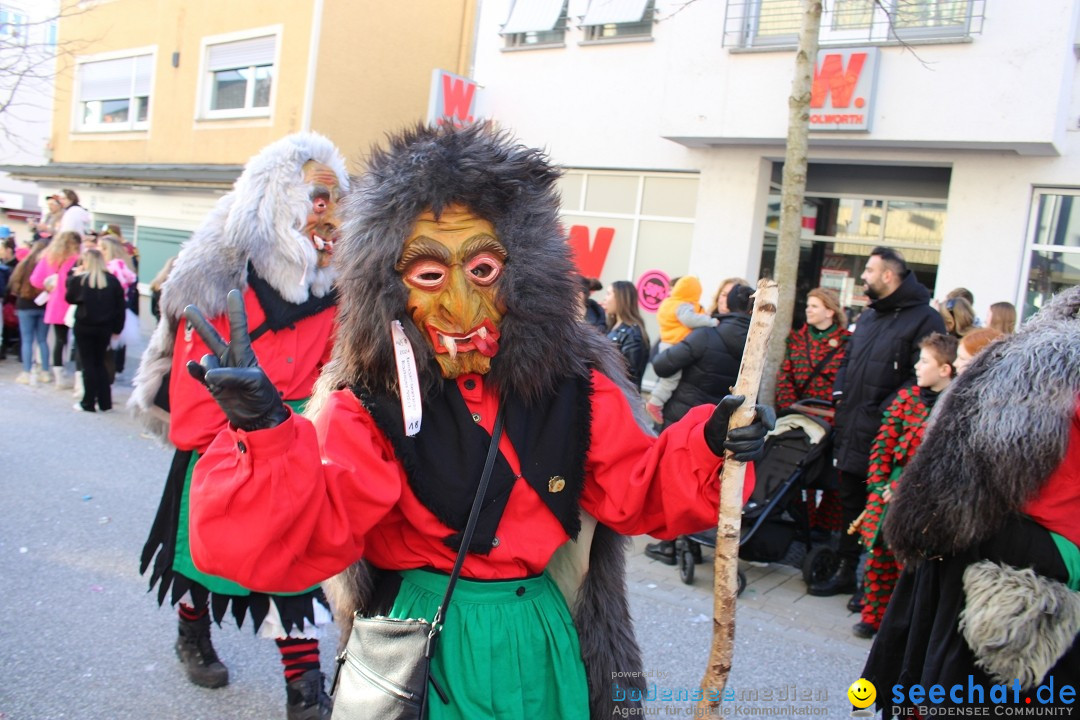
{"x":508,"y":648}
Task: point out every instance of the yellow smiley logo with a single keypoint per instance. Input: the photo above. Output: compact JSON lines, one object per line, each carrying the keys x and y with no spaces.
{"x":862,"y":693}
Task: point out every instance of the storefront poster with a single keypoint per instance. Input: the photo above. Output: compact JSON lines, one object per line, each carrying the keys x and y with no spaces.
{"x":653,"y":286}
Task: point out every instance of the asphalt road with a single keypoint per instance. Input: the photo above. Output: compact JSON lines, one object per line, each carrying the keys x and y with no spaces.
{"x":81,"y":638}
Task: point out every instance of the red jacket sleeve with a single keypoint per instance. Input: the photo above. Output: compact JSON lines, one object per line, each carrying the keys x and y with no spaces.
{"x":280,"y":510}
{"x":636,"y":484}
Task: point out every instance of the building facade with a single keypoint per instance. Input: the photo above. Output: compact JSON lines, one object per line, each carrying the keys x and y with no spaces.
{"x":157,"y":108}
{"x":949,"y":129}
{"x":27,"y":69}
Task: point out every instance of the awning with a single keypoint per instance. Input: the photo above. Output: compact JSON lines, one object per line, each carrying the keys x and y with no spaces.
{"x":533,"y":16}
{"x":613,"y":12}
{"x":210,"y":177}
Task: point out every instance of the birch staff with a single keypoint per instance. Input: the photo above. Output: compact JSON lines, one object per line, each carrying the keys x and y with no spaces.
{"x":725,"y":577}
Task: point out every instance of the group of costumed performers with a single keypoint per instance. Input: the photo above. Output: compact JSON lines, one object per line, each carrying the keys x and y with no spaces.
{"x":272,"y":237}
{"x":986,"y":523}
{"x":451,"y":240}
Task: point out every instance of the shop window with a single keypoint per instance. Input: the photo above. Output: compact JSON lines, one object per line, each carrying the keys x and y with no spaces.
{"x":535,"y":23}
{"x":239,"y":75}
{"x":1053,"y":262}
{"x":839,"y":233}
{"x":776,"y":23}
{"x":114,"y":93}
{"x":607,"y":20}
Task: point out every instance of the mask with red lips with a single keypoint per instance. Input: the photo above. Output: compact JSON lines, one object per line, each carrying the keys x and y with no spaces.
{"x":321,"y":225}
{"x":451,"y":266}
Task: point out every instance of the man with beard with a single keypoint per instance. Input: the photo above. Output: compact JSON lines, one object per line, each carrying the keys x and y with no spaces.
{"x":460,"y":307}
{"x":273,"y":237}
{"x":880,"y":360}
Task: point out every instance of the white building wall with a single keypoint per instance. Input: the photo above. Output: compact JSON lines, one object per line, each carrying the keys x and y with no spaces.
{"x":1001,"y":111}
{"x":26,"y":122}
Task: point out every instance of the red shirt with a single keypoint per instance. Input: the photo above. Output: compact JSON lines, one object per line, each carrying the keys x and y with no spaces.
{"x":1057,"y":506}
{"x":292,"y":358}
{"x":285,"y":508}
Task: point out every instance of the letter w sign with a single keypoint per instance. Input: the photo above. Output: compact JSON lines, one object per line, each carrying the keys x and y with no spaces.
{"x":453,"y":99}
{"x":842,"y":96}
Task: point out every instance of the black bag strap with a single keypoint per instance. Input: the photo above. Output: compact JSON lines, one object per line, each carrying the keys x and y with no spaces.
{"x":817,"y":368}
{"x":470,"y":526}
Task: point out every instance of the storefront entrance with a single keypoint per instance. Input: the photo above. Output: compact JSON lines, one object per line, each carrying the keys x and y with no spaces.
{"x":848,"y":211}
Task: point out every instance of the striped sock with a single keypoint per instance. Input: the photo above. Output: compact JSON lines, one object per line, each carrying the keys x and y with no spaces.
{"x":190,"y":614}
{"x":298,"y":655}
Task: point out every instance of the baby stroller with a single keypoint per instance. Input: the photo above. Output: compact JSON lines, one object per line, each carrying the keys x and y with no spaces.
{"x":796,"y":458}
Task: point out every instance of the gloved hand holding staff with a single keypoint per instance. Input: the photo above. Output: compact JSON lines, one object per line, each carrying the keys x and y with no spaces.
{"x":725,"y":581}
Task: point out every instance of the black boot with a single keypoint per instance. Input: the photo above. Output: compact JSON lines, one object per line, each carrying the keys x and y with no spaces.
{"x":306,"y":699}
{"x":855,"y":604}
{"x":841,"y":582}
{"x":664,"y":551}
{"x":194,"y":649}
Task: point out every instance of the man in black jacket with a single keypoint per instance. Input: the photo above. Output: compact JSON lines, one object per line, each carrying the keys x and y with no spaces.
{"x":880,"y":360}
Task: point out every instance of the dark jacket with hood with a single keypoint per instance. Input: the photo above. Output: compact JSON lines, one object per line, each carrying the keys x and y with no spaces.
{"x":880,"y":360}
{"x":709,"y":359}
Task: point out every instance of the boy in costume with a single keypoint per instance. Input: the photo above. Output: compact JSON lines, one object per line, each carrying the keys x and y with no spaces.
{"x":273,"y":236}
{"x":900,"y":435}
{"x":453,"y":254}
{"x":986,"y":522}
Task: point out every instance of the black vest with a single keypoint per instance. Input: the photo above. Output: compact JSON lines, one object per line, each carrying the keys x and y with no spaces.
{"x":443,"y":462}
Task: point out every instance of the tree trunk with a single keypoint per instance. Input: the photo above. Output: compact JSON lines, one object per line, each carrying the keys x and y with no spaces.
{"x":726,"y":562}
{"x":792,"y":192}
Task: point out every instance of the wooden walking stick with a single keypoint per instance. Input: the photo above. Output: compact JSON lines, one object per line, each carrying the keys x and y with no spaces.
{"x":725,"y":577}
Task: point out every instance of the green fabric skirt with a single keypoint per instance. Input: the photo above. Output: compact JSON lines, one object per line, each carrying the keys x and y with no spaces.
{"x":508,"y":648}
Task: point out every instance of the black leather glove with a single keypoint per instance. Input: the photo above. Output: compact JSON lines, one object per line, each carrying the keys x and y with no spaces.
{"x":745,"y":443}
{"x":232,"y":373}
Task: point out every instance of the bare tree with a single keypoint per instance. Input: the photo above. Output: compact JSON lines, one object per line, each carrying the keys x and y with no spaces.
{"x":30,"y":58}
{"x":792,"y":191}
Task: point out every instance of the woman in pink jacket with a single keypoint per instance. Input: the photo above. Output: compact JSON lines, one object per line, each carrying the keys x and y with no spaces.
{"x":51,"y":275}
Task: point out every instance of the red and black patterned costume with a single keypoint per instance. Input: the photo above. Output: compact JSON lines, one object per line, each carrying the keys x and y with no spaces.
{"x":900,"y":435}
{"x":806,"y":348}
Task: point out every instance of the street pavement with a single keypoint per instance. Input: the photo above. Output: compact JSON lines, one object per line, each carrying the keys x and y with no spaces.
{"x":81,"y":638}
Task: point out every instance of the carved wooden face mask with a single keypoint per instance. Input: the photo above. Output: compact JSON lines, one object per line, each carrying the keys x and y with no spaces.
{"x":451,"y":266}
{"x":321,"y":226}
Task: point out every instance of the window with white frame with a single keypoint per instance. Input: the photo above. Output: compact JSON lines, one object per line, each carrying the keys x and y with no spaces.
{"x":776,"y":23}
{"x":618,"y":19}
{"x":114,"y":93}
{"x":535,"y":23}
{"x":1053,"y":258}
{"x":239,"y":77}
{"x":13,"y":27}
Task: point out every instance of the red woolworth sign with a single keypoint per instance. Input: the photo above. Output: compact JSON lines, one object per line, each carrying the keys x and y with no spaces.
{"x":842,"y":97}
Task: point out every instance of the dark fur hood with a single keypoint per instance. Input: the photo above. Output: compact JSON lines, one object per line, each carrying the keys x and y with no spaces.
{"x":512,"y":186}
{"x":996,"y":435}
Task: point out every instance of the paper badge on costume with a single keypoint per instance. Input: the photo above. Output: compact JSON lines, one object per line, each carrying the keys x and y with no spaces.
{"x":408,"y":379}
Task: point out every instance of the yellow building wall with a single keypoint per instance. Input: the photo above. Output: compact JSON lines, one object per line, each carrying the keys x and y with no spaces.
{"x":374,"y":65}
{"x":373,"y":72}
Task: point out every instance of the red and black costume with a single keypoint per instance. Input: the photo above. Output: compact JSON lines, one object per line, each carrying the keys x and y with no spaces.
{"x":809,"y":371}
{"x":900,"y":435}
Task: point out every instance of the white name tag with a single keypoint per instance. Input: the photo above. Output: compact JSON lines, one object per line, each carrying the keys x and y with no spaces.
{"x":408,"y":381}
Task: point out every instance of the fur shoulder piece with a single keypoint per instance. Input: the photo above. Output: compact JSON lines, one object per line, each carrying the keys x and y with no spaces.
{"x":512,"y":186}
{"x":996,"y":435}
{"x":258,"y":221}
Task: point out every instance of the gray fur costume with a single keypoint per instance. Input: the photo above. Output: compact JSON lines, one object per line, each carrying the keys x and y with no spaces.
{"x":259,"y":221}
{"x":982,"y":589}
{"x":542,"y":341}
